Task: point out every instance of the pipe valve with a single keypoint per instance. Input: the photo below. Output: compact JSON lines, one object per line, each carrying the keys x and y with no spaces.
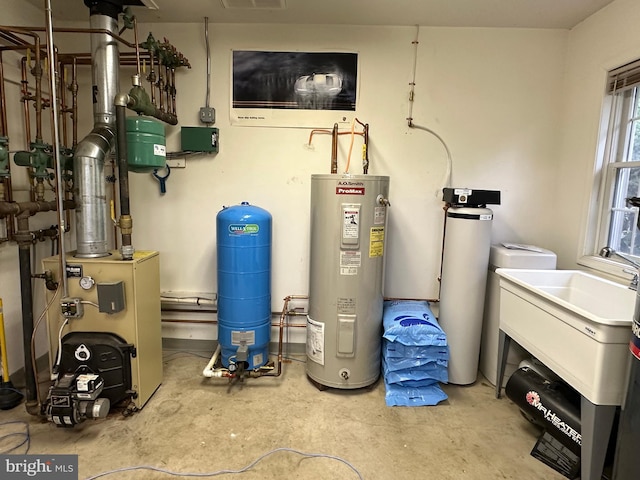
{"x":381,"y":200}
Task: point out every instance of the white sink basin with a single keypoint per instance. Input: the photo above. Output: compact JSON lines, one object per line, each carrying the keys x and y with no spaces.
{"x":577,"y":324}
{"x":592,"y":297}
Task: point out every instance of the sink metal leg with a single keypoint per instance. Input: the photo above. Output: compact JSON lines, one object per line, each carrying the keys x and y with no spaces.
{"x":504,"y":342}
{"x":596,"y":422}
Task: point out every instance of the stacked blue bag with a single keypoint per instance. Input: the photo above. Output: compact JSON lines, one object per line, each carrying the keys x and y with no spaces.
{"x":415,"y":354}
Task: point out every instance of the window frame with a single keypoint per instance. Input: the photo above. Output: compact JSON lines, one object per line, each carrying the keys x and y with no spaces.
{"x":620,"y":105}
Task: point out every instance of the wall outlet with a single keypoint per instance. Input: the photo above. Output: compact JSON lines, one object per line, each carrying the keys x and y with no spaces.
{"x":208,"y":115}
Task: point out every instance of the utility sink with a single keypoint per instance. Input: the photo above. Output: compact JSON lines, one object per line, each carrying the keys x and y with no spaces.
{"x":579,"y":326}
{"x":592,"y":297}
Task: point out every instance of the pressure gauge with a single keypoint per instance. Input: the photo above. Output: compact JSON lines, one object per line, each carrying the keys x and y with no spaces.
{"x":87,"y":282}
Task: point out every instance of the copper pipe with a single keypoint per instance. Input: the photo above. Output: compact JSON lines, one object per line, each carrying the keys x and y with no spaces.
{"x":12,"y":38}
{"x":37,"y":72}
{"x":74,"y":103}
{"x":365,"y":151}
{"x":281,"y":335}
{"x":167,"y":88}
{"x":31,"y":208}
{"x":173,"y":91}
{"x":63,"y":104}
{"x":160,"y":84}
{"x":317,"y":130}
{"x":152,"y":77}
{"x":135,"y":39}
{"x":26,"y":96}
{"x":8,"y":189}
{"x":17,"y":48}
{"x":334,"y":149}
{"x":27,"y":30}
{"x":215,"y":322}
{"x":126,"y":58}
{"x":3,"y":101}
{"x":114,"y":197}
{"x":322,"y":130}
{"x":334,"y":143}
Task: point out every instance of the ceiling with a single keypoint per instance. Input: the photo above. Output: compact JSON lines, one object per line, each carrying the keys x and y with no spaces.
{"x":564,"y":14}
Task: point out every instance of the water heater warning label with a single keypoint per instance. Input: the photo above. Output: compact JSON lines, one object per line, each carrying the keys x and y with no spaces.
{"x":346,"y":305}
{"x":376,"y":242}
{"x":315,"y":341}
{"x":349,"y":262}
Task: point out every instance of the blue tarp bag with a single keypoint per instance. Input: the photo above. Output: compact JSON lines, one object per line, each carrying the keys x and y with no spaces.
{"x":411,"y":323}
{"x":394,"y":364}
{"x":397,"y":350}
{"x":430,"y":371}
{"x":397,"y":396}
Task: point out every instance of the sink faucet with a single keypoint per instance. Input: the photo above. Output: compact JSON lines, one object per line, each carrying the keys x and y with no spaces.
{"x":608,"y":252}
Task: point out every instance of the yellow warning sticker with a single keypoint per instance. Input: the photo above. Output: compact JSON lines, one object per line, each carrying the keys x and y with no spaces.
{"x":376,"y":242}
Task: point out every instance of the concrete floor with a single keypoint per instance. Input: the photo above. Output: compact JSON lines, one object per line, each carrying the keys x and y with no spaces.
{"x":193,"y":424}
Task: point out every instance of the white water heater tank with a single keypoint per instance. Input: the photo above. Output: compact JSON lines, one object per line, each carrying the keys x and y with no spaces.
{"x":344,"y":325}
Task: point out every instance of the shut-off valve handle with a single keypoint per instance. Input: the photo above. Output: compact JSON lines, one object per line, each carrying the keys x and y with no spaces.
{"x":162,"y":179}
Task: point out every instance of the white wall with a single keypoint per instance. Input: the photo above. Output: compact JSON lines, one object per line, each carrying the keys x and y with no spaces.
{"x":608,"y":39}
{"x":494,"y":95}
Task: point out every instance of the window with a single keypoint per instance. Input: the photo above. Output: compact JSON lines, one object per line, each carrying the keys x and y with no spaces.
{"x":621,"y":163}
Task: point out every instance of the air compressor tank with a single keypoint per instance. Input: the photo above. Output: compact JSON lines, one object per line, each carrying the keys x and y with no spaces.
{"x":244,"y":284}
{"x":344,"y":326}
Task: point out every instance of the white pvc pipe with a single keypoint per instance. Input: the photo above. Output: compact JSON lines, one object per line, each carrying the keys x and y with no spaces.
{"x":188,"y":300}
{"x":208,"y":370}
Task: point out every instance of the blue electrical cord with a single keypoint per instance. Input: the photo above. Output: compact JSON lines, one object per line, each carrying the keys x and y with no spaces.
{"x":25,"y":434}
{"x":222,"y":472}
{"x":12,"y":390}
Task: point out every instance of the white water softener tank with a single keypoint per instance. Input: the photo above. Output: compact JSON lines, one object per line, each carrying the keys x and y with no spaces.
{"x":344,"y":326}
{"x":465,"y":259}
{"x":506,"y":255}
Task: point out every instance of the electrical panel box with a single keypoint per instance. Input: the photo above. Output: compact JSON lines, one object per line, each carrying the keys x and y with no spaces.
{"x":199,"y":139}
{"x":71,"y":308}
{"x":111,"y":297}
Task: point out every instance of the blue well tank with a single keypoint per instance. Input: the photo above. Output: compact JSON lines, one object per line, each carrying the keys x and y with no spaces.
{"x":244,"y":284}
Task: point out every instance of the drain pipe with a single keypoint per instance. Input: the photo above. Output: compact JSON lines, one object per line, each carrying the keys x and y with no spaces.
{"x":23,"y":237}
{"x":126,"y":222}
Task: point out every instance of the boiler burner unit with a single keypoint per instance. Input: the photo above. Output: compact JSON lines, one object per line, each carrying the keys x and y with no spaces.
{"x":108,"y":331}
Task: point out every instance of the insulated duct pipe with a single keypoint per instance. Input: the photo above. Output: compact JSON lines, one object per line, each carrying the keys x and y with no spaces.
{"x":89,"y":159}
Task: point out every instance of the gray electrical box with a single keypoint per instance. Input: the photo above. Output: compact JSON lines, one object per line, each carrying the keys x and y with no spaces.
{"x":111,"y":297}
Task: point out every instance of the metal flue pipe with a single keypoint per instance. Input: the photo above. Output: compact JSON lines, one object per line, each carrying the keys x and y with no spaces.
{"x":89,"y":159}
